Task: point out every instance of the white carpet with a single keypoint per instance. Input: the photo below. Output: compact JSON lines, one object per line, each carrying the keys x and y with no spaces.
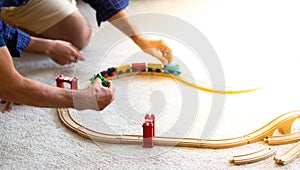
{"x":35,"y":138}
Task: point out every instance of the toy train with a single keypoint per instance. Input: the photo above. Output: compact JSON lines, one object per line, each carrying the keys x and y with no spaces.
{"x":137,"y":67}
{"x":103,"y":80}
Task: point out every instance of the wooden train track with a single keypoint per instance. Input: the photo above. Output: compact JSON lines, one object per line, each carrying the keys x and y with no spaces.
{"x":283,"y":122}
{"x":189,"y":82}
{"x":253,"y":157}
{"x":284,"y":139}
{"x":290,"y":155}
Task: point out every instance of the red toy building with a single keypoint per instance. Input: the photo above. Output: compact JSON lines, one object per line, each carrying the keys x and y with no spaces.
{"x":60,"y":80}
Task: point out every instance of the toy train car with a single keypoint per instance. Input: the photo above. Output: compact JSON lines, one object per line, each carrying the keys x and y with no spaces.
{"x":170,"y":68}
{"x":136,"y":67}
{"x":154,"y":67}
{"x":123,"y":69}
{"x":109,"y":72}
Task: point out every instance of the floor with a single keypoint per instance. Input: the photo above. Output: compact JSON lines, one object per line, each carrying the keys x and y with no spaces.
{"x":256,"y":43}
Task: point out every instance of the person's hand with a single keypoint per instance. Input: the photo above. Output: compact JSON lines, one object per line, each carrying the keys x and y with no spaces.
{"x":63,"y":52}
{"x":96,"y":97}
{"x":104,"y":95}
{"x":154,"y":47}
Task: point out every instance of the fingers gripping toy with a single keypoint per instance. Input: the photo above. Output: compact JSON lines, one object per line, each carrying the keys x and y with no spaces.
{"x":103,"y":80}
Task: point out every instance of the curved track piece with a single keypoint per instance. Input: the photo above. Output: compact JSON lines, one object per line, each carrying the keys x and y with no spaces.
{"x":284,"y":139}
{"x":253,"y":157}
{"x":282,"y":121}
{"x":202,"y":86}
{"x":290,"y":155}
{"x":189,"y":82}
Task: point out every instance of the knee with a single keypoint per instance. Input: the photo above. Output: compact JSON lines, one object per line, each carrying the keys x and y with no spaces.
{"x":75,"y":29}
{"x":81,"y":32}
{"x":82,"y":36}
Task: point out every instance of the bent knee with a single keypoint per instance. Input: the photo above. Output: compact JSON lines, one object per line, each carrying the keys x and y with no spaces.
{"x":79,"y":30}
{"x":82,"y":37}
{"x":75,"y":29}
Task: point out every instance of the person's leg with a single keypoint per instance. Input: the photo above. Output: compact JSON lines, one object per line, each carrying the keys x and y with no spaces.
{"x":75,"y":29}
{"x":53,"y":19}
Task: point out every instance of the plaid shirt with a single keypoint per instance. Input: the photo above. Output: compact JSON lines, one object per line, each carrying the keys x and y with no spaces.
{"x":17,"y":40}
{"x":14,"y":39}
{"x":106,"y":8}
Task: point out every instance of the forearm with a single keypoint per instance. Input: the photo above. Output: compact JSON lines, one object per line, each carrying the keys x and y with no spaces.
{"x":33,"y":93}
{"x":150,"y":46}
{"x":16,"y":88}
{"x":39,"y":45}
{"x":120,"y":20}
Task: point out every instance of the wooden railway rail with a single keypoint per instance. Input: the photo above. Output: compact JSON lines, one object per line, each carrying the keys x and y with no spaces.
{"x":291,"y":154}
{"x":253,"y":157}
{"x":284,"y":139}
{"x":283,"y":122}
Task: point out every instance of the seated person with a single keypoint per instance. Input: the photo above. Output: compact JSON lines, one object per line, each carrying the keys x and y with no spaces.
{"x":57,"y":29}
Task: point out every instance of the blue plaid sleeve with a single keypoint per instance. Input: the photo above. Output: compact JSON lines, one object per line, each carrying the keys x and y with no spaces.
{"x":7,"y":3}
{"x":2,"y":43}
{"x":15,"y":39}
{"x":106,"y":8}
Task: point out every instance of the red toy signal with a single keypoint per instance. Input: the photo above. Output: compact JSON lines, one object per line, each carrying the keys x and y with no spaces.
{"x":148,"y":131}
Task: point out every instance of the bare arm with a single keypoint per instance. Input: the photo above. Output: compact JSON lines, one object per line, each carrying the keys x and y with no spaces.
{"x":16,"y":88}
{"x":61,"y":52}
{"x":150,"y":46}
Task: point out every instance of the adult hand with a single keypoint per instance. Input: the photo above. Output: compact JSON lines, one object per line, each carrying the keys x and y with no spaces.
{"x":154,"y":47}
{"x":63,"y":52}
{"x":104,"y":95}
{"x":96,"y":97}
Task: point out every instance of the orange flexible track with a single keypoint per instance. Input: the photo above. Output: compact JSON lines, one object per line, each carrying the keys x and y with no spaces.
{"x":189,"y":82}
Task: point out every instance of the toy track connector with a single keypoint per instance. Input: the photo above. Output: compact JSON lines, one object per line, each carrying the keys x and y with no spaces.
{"x":148,"y":131}
{"x":60,"y":80}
